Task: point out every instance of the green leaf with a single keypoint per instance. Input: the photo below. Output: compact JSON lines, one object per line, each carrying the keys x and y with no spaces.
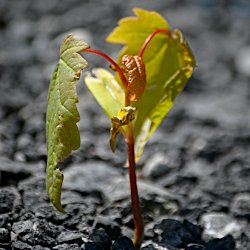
{"x":177,"y":64}
{"x":133,"y":31}
{"x":62,"y":133}
{"x":106,"y":90}
{"x":169,"y":64}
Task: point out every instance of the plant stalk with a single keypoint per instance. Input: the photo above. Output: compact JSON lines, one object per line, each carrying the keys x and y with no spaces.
{"x":135,"y":203}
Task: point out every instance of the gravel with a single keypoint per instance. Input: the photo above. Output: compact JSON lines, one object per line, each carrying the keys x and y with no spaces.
{"x":193,"y":177}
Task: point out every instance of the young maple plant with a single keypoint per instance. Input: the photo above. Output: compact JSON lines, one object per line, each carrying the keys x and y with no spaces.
{"x":152,"y":69}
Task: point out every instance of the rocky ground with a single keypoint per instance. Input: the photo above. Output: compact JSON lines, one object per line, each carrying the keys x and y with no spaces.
{"x":194,"y":176}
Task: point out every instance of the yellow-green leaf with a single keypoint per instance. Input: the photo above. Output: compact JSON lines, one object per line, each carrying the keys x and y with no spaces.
{"x":176,"y":67}
{"x":133,"y":31}
{"x":62,"y":133}
{"x":169,"y":64}
{"x":106,"y":90}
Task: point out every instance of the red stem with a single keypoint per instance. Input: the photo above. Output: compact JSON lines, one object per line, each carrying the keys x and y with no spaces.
{"x":117,"y":67}
{"x":136,"y":209}
{"x":150,"y":37}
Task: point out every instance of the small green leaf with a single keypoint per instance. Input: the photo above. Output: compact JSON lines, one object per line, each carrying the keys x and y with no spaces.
{"x":106,"y":90}
{"x":169,"y":64}
{"x":62,"y":115}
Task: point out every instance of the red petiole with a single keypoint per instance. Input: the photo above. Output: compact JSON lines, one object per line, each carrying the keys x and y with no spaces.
{"x":117,"y":67}
{"x":150,"y":37}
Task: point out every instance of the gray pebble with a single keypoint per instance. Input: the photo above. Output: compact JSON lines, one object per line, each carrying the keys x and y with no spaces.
{"x":218,"y":225}
{"x":240,"y":206}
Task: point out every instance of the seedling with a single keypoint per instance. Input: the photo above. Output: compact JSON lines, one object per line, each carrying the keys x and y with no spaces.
{"x":152,"y":69}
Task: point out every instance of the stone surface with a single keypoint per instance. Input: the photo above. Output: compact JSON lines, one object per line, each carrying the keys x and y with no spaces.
{"x":19,"y":245}
{"x":225,"y":243}
{"x":159,"y":165}
{"x":177,"y":234}
{"x":194,"y":167}
{"x":241,"y":205}
{"x":100,"y":237}
{"x":122,"y":243}
{"x":10,"y":200}
{"x":218,"y":225}
{"x":70,"y":237}
{"x":4,"y":235}
{"x":90,"y":177}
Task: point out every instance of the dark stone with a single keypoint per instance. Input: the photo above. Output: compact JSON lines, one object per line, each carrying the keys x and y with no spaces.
{"x":172,"y":239}
{"x":75,"y":217}
{"x":11,"y":173}
{"x":26,"y":146}
{"x":34,"y":192}
{"x":195,"y":230}
{"x":111,"y":227}
{"x":36,"y":232}
{"x":48,"y":212}
{"x":93,"y":246}
{"x":244,"y":241}
{"x":88,"y":203}
{"x":177,"y":234}
{"x":123,"y":243}
{"x":225,"y":243}
{"x":45,"y":233}
{"x":241,"y":205}
{"x":4,"y":235}
{"x":100,"y":237}
{"x":214,"y":148}
{"x":10,"y":200}
{"x":26,"y":215}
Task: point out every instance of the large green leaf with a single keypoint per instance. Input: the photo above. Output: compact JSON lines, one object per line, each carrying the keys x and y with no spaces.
{"x":169,"y":64}
{"x":62,"y":115}
{"x":176,"y":66}
{"x":133,"y":31}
